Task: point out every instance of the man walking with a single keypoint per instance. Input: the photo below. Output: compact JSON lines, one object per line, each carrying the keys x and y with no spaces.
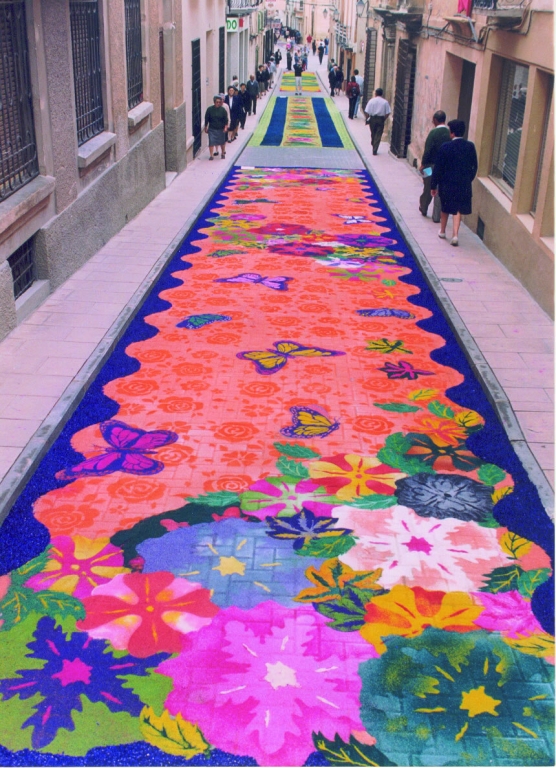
{"x":332,"y":79}
{"x":454,"y":169}
{"x":298,"y":72}
{"x":252,"y":88}
{"x":377,"y":111}
{"x":436,"y":138}
{"x":321,"y":52}
{"x":359,"y":81}
{"x":245,"y":100}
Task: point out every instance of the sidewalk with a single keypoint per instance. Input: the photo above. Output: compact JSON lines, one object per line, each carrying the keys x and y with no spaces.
{"x":47,"y":362}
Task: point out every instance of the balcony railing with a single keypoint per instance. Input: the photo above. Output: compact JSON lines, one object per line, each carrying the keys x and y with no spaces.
{"x":498,"y":5}
{"x":242,"y":5}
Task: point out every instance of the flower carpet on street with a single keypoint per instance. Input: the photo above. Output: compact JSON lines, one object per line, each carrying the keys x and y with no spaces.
{"x":309,"y":82}
{"x":284,"y":526}
{"x":302,"y":122}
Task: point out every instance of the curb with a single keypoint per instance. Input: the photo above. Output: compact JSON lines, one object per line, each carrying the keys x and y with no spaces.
{"x":487,"y":379}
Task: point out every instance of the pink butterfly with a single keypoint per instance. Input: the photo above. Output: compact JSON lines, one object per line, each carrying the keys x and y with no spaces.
{"x":276,"y":283}
{"x":403,"y":370}
{"x":128,"y":452}
{"x":172,"y":525}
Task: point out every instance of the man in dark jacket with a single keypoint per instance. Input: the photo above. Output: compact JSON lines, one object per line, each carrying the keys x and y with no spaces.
{"x":321,"y":52}
{"x":298,"y":72}
{"x":339,"y":79}
{"x":436,"y":138}
{"x":252,"y":88}
{"x":454,"y":170}
{"x":332,"y":80}
{"x":245,"y":100}
{"x":289,"y":60}
{"x":233,"y":101}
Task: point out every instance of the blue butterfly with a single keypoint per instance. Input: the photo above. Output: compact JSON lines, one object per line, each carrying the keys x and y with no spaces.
{"x":384,"y":312}
{"x":198,"y":321}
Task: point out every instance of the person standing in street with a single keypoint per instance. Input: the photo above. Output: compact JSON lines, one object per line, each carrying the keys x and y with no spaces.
{"x":332,"y":80}
{"x":339,"y":79}
{"x":216,"y":125}
{"x":359,"y":81}
{"x":436,"y":138}
{"x":320,"y":52}
{"x":289,"y":61}
{"x":298,"y":72}
{"x":252,"y":88}
{"x":454,"y":169}
{"x":352,"y":92}
{"x":314,"y":47}
{"x":377,"y":111}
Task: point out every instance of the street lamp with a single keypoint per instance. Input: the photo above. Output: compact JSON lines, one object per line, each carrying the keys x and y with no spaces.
{"x":360,"y":8}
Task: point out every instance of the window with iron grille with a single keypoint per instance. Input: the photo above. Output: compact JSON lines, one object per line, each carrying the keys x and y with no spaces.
{"x":509,"y":122}
{"x":22,"y":264}
{"x":134,"y":53}
{"x":18,"y":149}
{"x":87,"y":73}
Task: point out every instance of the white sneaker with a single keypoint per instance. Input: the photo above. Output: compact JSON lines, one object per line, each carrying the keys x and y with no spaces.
{"x":442,"y":235}
{"x":454,"y":241}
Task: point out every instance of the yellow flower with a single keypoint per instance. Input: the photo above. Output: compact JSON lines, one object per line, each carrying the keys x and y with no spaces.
{"x":350,"y":476}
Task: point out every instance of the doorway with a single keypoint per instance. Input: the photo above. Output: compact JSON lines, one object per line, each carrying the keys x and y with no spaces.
{"x":196,"y":95}
{"x":466,"y":93}
{"x":403,"y":101}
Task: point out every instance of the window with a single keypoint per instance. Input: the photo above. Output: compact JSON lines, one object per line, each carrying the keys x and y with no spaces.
{"x":134,"y":53}
{"x":22,"y":264}
{"x":546,"y":118}
{"x":509,"y":122}
{"x":87,"y":74}
{"x":18,"y":149}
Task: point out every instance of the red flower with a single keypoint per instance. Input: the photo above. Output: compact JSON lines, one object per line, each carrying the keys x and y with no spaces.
{"x":281,"y":229}
{"x":147,"y":613}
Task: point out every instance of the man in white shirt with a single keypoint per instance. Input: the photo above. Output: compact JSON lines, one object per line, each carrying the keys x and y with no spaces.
{"x":359,"y":81}
{"x":377,"y":111}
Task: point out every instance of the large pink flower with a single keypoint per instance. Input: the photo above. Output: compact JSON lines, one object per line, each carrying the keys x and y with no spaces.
{"x":147,"y":613}
{"x":284,"y":497}
{"x":259,"y":682}
{"x":77,"y":565}
{"x":450,"y":555}
{"x":508,"y":613}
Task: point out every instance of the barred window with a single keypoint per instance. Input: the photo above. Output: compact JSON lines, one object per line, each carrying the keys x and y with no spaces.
{"x":22,"y":264}
{"x":509,"y":122}
{"x":18,"y":149}
{"x":134,"y":53}
{"x":87,"y":73}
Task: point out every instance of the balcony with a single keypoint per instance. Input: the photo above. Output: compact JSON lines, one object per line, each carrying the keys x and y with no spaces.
{"x":501,"y":13}
{"x":408,"y":12}
{"x":242,"y":7}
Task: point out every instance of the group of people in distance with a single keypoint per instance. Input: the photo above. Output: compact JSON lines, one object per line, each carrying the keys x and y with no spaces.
{"x":230,"y":111}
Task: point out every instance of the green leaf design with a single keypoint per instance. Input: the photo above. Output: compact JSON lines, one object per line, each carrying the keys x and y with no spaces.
{"x":20,"y":602}
{"x":291,"y":468}
{"x":398,"y":407}
{"x":327,"y":546}
{"x":339,"y":752}
{"x":333,"y":578}
{"x":398,"y":443}
{"x":389,"y":282}
{"x":489,"y":521}
{"x":530,"y":580}
{"x":216,"y":499}
{"x":295,"y":451}
{"x":502,"y":579}
{"x":374,"y":501}
{"x":490,"y":474}
{"x":444,"y":411}
{"x":37,"y":565}
{"x":407,"y":464}
{"x":348,"y":610}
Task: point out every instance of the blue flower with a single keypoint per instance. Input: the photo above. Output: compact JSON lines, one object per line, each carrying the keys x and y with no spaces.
{"x":75,"y":667}
{"x":304,"y":527}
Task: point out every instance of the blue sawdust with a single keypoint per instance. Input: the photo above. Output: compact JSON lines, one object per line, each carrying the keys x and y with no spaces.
{"x":329,"y":136}
{"x":275,"y":131}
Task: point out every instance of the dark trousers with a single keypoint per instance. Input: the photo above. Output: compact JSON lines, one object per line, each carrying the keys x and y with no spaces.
{"x":376,"y":124}
{"x":248,"y":106}
{"x":425,"y":200}
{"x":242,"y":119}
{"x":320,"y":57}
{"x":352,"y":103}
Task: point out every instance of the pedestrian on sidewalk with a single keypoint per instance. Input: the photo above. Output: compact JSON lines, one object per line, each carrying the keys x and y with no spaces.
{"x":216,"y":125}
{"x":332,"y":80}
{"x":436,"y":138}
{"x":359,"y":80}
{"x":236,"y":109}
{"x":352,"y":92}
{"x":454,"y":169}
{"x":271,"y":70}
{"x":245,"y":100}
{"x":326,"y":41}
{"x":252,"y":88}
{"x":321,"y":52}
{"x":377,"y":111}
{"x":289,"y":61}
{"x":314,"y":47}
{"x":298,"y":72}
{"x":277,"y":57}
{"x":261,"y":81}
{"x":339,"y":79}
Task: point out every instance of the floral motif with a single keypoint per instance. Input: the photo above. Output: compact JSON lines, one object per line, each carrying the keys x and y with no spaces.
{"x":283,"y":497}
{"x":283,"y":230}
{"x":508,"y":613}
{"x":408,"y":611}
{"x":77,"y":565}
{"x":440,"y":455}
{"x":233,"y":559}
{"x":413,"y":550}
{"x":72,"y":668}
{"x":444,"y":496}
{"x":147,"y":613}
{"x":350,"y":476}
{"x":304,"y":528}
{"x":274,"y":676}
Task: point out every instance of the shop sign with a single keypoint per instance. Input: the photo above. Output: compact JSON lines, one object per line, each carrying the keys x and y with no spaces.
{"x":232,"y":24}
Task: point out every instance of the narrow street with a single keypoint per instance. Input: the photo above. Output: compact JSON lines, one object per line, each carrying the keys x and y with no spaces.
{"x":277,"y":471}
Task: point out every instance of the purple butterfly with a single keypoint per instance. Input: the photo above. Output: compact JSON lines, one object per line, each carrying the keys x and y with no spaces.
{"x":403,"y":370}
{"x":403,"y":314}
{"x":276,"y":283}
{"x":128,"y":452}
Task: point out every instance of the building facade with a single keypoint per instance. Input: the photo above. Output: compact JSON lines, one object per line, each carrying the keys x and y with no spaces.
{"x":92,"y":119}
{"x":491,"y":64}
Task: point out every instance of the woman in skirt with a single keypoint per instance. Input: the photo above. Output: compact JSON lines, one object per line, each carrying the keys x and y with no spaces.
{"x":216,"y":125}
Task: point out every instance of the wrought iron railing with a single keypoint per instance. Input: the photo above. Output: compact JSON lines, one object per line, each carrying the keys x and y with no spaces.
{"x":22,"y":264}
{"x":498,"y":5}
{"x":87,"y":71}
{"x":134,"y":53}
{"x":18,"y":149}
